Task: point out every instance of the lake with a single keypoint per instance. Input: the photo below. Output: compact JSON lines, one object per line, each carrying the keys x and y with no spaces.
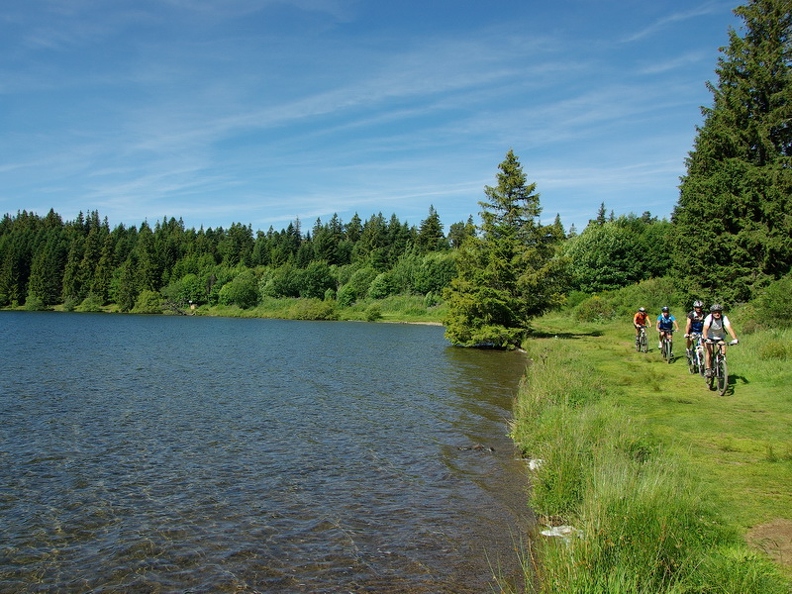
{"x":195,"y":454}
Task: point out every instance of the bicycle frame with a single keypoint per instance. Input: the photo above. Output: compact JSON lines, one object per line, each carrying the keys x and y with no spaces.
{"x":696,"y":354}
{"x":719,"y":380}
{"x":642,"y":340}
{"x":667,"y":343}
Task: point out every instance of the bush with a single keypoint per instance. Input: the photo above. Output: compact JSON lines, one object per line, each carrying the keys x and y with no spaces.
{"x":373,"y":313}
{"x":315,"y":280}
{"x":357,"y":287}
{"x":381,"y":286}
{"x":242,"y":291}
{"x":774,"y":349}
{"x":312,"y":309}
{"x":33,"y":303}
{"x":775,"y":303}
{"x":188,"y":288}
{"x":148,"y":302}
{"x":92,"y":303}
{"x":70,"y":304}
{"x":595,"y":309}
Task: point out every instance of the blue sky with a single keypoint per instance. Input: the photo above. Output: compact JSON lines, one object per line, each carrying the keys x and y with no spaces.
{"x":264,"y":111}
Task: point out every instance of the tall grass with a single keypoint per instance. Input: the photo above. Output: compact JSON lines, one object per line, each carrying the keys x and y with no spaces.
{"x":643,"y":522}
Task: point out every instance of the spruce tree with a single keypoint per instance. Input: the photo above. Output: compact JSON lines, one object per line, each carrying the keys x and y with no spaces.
{"x":506,"y":274}
{"x":732,"y":228}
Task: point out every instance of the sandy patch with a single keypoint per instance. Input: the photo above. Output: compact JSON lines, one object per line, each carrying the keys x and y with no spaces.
{"x":775,"y":539}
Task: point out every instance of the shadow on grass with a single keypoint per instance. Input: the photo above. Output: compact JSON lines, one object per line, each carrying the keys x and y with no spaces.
{"x":733,"y":379}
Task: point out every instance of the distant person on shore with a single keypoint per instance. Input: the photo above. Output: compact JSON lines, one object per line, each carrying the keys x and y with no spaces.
{"x":666,"y":325}
{"x":716,"y":325}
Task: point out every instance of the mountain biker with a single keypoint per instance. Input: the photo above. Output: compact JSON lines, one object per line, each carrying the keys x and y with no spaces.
{"x":715,"y":327}
{"x":694,"y":324}
{"x":640,"y":320}
{"x":666,"y":325}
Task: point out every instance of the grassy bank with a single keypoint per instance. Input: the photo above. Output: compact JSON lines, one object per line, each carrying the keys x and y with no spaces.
{"x":395,"y":308}
{"x":662,"y":483}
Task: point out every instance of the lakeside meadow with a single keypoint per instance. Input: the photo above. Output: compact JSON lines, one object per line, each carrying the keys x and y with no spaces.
{"x":659,"y":484}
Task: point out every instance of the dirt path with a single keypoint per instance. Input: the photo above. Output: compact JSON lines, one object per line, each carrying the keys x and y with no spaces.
{"x":775,"y":539}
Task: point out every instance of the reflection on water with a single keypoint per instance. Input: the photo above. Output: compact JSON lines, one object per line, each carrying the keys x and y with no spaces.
{"x":172,"y":454}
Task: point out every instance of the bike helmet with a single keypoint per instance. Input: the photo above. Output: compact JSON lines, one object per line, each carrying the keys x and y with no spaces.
{"x":697,"y":303}
{"x":716,"y":307}
{"x":665,"y":308}
{"x":642,"y":309}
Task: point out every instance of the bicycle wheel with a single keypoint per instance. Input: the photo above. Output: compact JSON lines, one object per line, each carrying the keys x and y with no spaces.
{"x":644,"y":343}
{"x":723,"y":376}
{"x":700,"y":360}
{"x":668,"y":354}
{"x":691,"y":361}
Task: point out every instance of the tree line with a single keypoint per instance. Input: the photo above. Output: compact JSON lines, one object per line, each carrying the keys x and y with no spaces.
{"x":45,"y":261}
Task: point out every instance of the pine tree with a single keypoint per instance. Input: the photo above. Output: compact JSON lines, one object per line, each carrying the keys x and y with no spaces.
{"x":732,"y":230}
{"x":430,"y":233}
{"x":505,"y":275}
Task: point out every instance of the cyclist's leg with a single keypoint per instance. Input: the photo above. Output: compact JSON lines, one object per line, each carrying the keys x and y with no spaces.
{"x":708,"y":357}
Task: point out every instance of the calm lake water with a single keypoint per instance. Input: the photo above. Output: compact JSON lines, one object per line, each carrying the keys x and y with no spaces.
{"x":190,"y":454}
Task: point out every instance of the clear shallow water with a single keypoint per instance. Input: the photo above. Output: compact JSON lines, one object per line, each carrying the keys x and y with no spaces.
{"x":188,"y":454}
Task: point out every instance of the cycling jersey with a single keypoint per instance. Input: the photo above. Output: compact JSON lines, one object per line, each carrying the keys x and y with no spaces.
{"x":666,"y":324}
{"x":641,"y":318}
{"x":696,"y":322}
{"x":717,"y":327}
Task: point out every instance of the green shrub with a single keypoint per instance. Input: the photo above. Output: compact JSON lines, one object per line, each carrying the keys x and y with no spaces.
{"x":774,"y":349}
{"x":382,"y":286}
{"x":33,"y":303}
{"x":775,"y":303}
{"x":595,"y":309}
{"x":241,"y":291}
{"x":373,"y":313}
{"x":148,"y":302}
{"x":312,"y":309}
{"x":92,"y":303}
{"x":70,"y":304}
{"x":430,"y":300}
{"x":346,"y":296}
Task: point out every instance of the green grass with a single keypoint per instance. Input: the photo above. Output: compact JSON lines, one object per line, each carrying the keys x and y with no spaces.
{"x":662,"y":478}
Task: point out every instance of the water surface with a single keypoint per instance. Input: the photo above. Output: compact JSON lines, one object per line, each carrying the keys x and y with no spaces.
{"x":190,"y":454}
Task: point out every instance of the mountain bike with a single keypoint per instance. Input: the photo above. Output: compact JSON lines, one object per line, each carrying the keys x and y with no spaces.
{"x":719,"y":379}
{"x":641,"y":341}
{"x":695,"y":355}
{"x":666,"y":345}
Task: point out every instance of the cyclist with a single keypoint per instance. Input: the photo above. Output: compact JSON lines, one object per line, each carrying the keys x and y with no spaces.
{"x":640,"y":320}
{"x":694,"y":324}
{"x":666,"y":325}
{"x":715,"y":327}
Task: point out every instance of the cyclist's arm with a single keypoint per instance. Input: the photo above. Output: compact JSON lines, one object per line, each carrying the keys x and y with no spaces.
{"x":687,"y":326}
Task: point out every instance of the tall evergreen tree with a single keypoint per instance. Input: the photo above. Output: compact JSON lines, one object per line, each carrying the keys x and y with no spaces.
{"x":732,"y":228}
{"x":430,"y":233}
{"x":505,"y":276}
